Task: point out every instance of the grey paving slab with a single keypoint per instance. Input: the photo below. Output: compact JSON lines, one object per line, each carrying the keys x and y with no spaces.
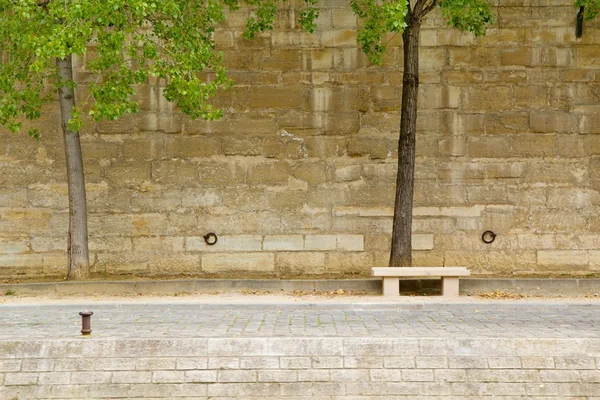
{"x":223,"y":320}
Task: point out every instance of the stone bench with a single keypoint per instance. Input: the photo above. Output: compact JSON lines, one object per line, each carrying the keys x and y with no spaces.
{"x":391,"y":277}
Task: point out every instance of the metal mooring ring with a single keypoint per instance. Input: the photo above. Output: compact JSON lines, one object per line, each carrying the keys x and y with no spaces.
{"x":488,"y":237}
{"x":211,"y":239}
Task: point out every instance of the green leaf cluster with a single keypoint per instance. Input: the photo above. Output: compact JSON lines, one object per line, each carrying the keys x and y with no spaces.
{"x":123,"y":43}
{"x":380,"y":17}
{"x":265,"y":11}
{"x":468,"y":15}
{"x":592,"y":8}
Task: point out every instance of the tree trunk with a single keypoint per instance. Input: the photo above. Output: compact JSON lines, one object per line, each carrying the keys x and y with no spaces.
{"x":401,"y":255}
{"x":79,"y":264}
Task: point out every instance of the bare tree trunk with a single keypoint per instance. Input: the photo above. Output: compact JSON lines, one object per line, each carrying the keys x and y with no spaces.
{"x":79,"y":263}
{"x":401,"y":255}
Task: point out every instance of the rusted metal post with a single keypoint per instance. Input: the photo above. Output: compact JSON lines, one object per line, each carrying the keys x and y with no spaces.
{"x":86,"y":322}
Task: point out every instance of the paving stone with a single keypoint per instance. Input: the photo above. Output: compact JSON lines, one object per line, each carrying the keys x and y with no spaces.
{"x":269,"y":352}
{"x":135,"y":321}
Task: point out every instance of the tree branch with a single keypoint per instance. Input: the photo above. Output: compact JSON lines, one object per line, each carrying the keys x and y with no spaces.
{"x":43,"y":4}
{"x":418,"y":11}
{"x":422,"y":8}
{"x":429,"y":7}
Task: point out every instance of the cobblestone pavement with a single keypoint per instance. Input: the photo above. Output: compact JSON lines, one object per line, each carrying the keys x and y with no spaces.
{"x":203,"y":320}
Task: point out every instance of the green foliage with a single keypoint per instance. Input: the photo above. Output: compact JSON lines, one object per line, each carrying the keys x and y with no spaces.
{"x":468,"y":15}
{"x":264,"y":16}
{"x":381,"y":17}
{"x":592,"y":8}
{"x":308,"y":15}
{"x":123,"y":43}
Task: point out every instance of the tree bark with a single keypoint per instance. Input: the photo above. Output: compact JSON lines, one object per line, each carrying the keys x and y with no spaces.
{"x":78,"y":256}
{"x":401,"y":254}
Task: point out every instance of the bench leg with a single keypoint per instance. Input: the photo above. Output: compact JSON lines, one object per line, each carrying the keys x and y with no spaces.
{"x":391,"y":286}
{"x":450,"y":286}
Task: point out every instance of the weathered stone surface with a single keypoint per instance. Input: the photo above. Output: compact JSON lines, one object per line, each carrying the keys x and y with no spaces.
{"x":320,"y":242}
{"x":350,"y":242}
{"x":275,"y":97}
{"x":192,"y":146}
{"x":283,"y":242}
{"x":563,"y":259}
{"x":268,"y":174}
{"x":225,"y":244}
{"x":507,"y":139}
{"x":13,"y":198}
{"x":303,"y":263}
{"x":220,"y":262}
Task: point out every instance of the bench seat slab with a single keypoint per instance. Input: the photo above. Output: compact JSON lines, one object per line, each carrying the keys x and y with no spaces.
{"x":419,"y":271}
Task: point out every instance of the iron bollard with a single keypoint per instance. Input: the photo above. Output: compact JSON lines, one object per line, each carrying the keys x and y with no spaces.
{"x":86,"y":322}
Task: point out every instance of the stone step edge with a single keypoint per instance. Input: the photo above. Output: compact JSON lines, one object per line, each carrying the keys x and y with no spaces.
{"x":525,"y":286}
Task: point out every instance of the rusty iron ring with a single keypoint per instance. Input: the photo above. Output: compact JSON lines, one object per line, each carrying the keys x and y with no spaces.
{"x":488,"y":237}
{"x":208,"y":238}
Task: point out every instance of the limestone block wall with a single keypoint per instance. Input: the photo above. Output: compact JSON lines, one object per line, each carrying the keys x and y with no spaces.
{"x":298,"y":368}
{"x":298,"y":177}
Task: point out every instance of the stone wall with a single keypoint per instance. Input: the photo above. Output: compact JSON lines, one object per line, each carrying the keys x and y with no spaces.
{"x":301,"y":368}
{"x":298,"y":177}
